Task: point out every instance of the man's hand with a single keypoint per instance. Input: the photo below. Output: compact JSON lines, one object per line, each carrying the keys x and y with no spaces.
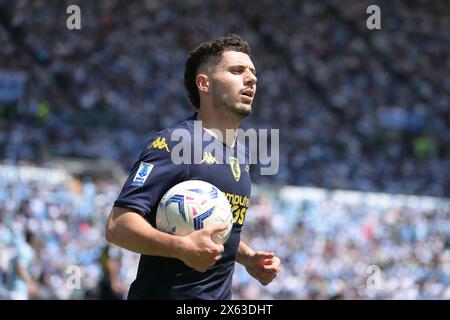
{"x":263,"y":266}
{"x":201,"y":252}
{"x":117,"y":287}
{"x":32,"y":289}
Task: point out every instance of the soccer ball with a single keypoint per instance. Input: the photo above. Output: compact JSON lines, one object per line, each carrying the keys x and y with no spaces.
{"x":192,"y":205}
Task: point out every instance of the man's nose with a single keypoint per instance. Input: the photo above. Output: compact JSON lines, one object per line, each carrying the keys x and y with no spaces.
{"x":250,"y":79}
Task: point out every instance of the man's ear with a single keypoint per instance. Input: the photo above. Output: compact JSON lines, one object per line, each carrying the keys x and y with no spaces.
{"x":202,"y":82}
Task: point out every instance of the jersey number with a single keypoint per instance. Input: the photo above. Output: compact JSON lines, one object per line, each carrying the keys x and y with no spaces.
{"x":239,"y":214}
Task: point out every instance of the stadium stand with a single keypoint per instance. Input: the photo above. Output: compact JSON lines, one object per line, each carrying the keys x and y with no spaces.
{"x":357,"y":110}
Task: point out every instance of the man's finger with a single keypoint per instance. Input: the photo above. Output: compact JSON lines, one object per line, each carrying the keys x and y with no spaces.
{"x":265,"y":274}
{"x":220,"y":248}
{"x":264,"y":255}
{"x":269,"y":269}
{"x":265,"y":278}
{"x":217,"y":228}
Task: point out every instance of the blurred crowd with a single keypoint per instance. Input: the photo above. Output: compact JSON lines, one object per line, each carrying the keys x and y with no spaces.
{"x":335,"y":249}
{"x":331,"y":249}
{"x":54,"y":231}
{"x":356,"y":108}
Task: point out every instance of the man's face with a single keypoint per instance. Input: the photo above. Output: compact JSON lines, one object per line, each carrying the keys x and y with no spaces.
{"x":233,"y":83}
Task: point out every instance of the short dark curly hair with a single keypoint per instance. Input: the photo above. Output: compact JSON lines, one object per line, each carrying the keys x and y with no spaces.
{"x":203,"y":53}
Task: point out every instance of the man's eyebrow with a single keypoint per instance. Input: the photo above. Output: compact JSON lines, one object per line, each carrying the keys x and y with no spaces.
{"x":243,"y":66}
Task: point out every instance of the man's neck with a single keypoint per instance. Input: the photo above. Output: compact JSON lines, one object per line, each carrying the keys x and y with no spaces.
{"x":215,"y":122}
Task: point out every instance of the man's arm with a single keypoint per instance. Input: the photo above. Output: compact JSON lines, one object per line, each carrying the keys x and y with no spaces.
{"x":32,"y":288}
{"x":263,"y":266}
{"x":131,"y":231}
{"x":113,"y":270}
{"x":244,"y":253}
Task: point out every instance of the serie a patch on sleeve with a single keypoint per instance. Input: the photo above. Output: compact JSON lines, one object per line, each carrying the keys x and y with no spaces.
{"x":142,"y":174}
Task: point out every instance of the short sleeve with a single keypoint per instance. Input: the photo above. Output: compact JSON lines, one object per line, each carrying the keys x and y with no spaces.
{"x":151,"y":176}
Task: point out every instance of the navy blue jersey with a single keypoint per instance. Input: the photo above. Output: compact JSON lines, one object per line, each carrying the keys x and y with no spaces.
{"x":152,"y":175}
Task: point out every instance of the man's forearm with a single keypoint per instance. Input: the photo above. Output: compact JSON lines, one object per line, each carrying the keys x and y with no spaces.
{"x":22,"y":273}
{"x":244,"y":252}
{"x":131,"y":231}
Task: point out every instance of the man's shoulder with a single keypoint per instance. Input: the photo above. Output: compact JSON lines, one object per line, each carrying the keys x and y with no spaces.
{"x":166,"y":138}
{"x":185,"y":124}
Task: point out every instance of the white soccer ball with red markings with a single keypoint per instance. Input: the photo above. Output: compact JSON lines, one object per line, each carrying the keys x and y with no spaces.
{"x":192,"y":205}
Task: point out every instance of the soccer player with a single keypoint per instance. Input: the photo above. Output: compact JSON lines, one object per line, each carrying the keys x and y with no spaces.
{"x":221,"y":82}
{"x":110,"y":286}
{"x":20,"y":283}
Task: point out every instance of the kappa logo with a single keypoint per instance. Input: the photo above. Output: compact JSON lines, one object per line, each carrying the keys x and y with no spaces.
{"x":235,"y":168}
{"x":142,"y":174}
{"x":247,"y":168}
{"x":160,"y":143}
{"x":208,"y":158}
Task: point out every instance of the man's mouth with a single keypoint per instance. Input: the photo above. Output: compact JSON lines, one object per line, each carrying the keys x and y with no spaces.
{"x":248,"y":93}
